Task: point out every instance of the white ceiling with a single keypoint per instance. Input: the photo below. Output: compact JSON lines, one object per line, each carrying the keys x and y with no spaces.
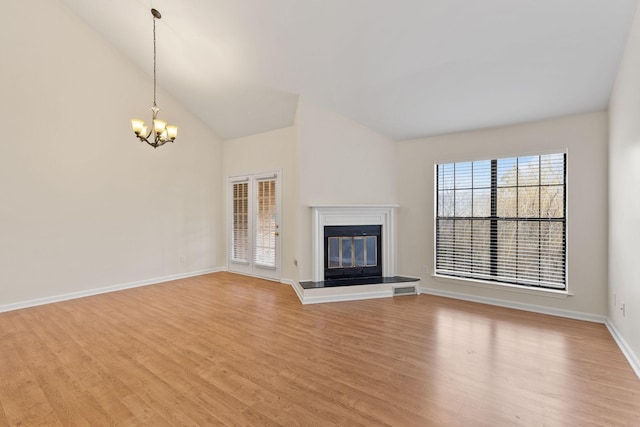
{"x":406,"y":68}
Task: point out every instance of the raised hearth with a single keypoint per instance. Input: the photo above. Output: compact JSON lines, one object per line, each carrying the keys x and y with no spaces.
{"x":355,"y":289}
{"x":357,"y":282}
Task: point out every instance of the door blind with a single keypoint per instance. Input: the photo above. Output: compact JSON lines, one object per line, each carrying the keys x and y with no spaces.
{"x":266,"y":225}
{"x":240,"y":230}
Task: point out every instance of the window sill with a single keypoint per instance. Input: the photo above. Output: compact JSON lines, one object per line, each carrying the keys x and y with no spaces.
{"x":551,"y":293}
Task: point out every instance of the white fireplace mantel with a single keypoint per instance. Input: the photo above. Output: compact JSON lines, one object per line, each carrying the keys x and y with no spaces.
{"x":379,"y":214}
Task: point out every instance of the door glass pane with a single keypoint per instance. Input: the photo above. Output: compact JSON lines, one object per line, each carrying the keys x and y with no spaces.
{"x":240,"y":221}
{"x":266,"y":227}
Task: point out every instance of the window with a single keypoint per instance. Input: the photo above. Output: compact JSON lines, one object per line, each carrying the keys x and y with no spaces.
{"x":503,"y":220}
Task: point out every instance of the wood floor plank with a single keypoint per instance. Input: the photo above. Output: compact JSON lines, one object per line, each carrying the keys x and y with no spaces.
{"x":224,"y":349}
{"x":95,"y":381}
{"x":21,"y":399}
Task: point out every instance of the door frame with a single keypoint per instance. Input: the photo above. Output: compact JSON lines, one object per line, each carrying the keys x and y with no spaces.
{"x":250,"y":268}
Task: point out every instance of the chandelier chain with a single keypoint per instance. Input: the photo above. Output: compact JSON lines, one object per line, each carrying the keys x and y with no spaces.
{"x":154,"y":61}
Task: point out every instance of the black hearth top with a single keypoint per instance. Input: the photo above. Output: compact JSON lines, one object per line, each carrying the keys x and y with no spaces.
{"x":357,"y":281}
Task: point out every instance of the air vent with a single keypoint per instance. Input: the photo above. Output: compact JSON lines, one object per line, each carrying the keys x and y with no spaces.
{"x":405,"y":290}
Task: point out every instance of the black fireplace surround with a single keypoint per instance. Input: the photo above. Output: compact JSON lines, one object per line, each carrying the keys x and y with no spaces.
{"x":352,"y":251}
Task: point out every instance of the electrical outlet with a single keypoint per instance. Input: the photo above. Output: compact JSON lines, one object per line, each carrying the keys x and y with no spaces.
{"x":623,"y":308}
{"x":183,"y":260}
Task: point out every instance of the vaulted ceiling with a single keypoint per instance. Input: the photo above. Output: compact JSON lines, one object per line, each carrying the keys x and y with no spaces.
{"x":405,"y":68}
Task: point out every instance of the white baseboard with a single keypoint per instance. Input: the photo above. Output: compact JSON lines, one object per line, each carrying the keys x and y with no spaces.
{"x":285,"y":281}
{"x":97,"y":291}
{"x":296,"y":288}
{"x":518,"y":306}
{"x":634,"y":361}
{"x":288,"y":282}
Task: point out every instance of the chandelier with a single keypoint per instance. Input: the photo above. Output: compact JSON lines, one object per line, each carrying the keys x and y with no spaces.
{"x":160,"y":132}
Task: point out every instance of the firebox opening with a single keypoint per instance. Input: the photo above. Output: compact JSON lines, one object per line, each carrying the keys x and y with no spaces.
{"x":352,"y":251}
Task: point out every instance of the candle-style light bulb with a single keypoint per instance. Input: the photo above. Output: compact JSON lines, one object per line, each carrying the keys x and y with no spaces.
{"x":159,"y":126}
{"x":172,"y":132}
{"x":137,"y":125}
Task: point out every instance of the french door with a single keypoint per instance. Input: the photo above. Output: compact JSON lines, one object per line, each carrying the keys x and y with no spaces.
{"x":254,"y":225}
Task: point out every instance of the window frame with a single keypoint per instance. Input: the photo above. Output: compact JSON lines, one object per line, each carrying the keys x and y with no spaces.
{"x":518,"y":282}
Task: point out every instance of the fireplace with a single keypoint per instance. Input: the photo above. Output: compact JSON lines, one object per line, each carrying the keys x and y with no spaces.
{"x":329,"y":216}
{"x":352,"y":251}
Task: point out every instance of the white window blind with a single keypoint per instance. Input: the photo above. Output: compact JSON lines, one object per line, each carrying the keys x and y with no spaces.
{"x":266,"y":226}
{"x":503,"y":220}
{"x":240,"y":230}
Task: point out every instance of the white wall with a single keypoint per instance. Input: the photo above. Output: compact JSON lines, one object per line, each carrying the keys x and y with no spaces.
{"x":84,"y":204}
{"x":266,"y":152}
{"x":340,"y":162}
{"x":584,"y":136}
{"x":624,"y":195}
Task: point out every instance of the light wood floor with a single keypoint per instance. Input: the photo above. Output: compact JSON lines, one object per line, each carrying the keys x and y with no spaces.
{"x":223,"y":349}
